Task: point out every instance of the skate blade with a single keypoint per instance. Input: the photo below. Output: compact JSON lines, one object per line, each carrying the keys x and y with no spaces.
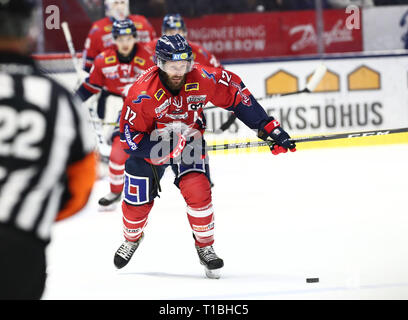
{"x":213,"y":274}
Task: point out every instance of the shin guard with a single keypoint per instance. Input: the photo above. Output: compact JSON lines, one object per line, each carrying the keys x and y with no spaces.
{"x":117,"y":161}
{"x":196,"y":191}
{"x":135,"y":220}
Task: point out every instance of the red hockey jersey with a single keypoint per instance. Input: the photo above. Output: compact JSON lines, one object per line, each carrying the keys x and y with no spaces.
{"x":110,"y":74}
{"x":100,"y":37}
{"x":150,"y":105}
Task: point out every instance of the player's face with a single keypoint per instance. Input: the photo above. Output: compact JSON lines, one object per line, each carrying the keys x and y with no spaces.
{"x":119,"y":7}
{"x":173,"y":32}
{"x":125,"y":44}
{"x":176,"y":73}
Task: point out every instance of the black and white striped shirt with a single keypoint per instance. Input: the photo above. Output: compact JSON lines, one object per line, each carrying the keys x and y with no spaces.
{"x":42,"y":131}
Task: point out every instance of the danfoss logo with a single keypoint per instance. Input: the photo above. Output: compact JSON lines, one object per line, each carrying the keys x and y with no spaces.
{"x":308,"y":36}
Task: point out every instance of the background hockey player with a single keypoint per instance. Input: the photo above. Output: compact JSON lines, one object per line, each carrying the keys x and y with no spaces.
{"x":47,"y":163}
{"x":174,"y":24}
{"x":100,"y":38}
{"x":100,"y":35}
{"x":162,"y":124}
{"x":114,"y":70}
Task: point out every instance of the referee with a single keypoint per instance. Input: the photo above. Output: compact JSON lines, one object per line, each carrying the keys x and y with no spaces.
{"x":47,"y":163}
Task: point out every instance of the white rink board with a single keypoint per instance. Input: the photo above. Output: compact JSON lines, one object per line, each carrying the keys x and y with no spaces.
{"x":338,"y":111}
{"x":336,"y":214}
{"x":384,"y":27}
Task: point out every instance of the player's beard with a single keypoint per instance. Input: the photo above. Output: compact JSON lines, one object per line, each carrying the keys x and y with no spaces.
{"x":174,"y":82}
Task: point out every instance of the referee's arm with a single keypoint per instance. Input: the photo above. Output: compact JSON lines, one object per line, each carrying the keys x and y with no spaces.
{"x":81,"y":168}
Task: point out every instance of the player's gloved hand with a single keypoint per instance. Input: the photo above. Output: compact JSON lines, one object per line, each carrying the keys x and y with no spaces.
{"x":282,"y":140}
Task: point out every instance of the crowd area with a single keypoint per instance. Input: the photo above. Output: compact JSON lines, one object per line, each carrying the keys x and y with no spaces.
{"x":197,"y":8}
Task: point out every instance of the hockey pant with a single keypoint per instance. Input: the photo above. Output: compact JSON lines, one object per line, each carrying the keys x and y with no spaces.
{"x":140,"y":190}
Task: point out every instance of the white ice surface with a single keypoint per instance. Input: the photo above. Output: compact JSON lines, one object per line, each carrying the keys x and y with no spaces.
{"x":337,"y":214}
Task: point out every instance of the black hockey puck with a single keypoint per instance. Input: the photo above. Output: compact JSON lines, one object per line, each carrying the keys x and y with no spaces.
{"x":312,"y":280}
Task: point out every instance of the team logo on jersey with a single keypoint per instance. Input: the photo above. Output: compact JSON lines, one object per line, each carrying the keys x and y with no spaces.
{"x":177,"y":116}
{"x":110,"y":60}
{"x":93,"y":30}
{"x":161,"y":110}
{"x":141,"y":97}
{"x":128,"y":136}
{"x":193,"y":98}
{"x":108,"y":28}
{"x":196,"y":102}
{"x":159,"y":94}
{"x":111,"y":72}
{"x":191,"y":86}
{"x":136,"y":189}
{"x":178,"y":103}
{"x":139,"y":61}
{"x":205,"y":74}
{"x":246,"y":100}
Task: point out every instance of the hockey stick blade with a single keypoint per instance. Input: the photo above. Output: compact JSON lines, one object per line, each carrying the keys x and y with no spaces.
{"x":316,"y":78}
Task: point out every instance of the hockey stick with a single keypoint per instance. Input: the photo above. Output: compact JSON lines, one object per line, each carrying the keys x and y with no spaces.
{"x":311,"y":85}
{"x":68,"y":39}
{"x":271,"y":143}
{"x":96,"y":124}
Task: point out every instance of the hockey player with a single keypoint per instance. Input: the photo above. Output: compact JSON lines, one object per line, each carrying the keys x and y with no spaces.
{"x":115,"y":70}
{"x":47,"y":162}
{"x":174,"y":24}
{"x":162,"y":124}
{"x":100,"y":35}
{"x":100,"y":38}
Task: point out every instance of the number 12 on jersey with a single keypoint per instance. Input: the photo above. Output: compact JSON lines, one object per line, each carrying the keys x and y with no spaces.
{"x":226,"y":77}
{"x":130,"y":115}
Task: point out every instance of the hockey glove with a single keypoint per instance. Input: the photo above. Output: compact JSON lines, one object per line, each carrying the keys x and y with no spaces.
{"x":281,"y":138}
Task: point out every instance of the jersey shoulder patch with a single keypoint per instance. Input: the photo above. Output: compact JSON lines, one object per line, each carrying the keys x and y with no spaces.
{"x":107,"y":28}
{"x":140,"y":61}
{"x":110,"y":59}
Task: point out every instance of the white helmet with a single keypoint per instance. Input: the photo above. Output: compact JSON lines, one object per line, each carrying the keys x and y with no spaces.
{"x":117,"y":9}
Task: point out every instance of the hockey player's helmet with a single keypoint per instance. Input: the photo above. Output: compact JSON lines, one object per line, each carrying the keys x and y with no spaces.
{"x":172,"y":48}
{"x":123,"y":27}
{"x":173,"y":22}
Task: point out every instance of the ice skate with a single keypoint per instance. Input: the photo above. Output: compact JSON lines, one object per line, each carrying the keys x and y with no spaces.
{"x":125,"y":252}
{"x":108,"y":202}
{"x":211,"y":262}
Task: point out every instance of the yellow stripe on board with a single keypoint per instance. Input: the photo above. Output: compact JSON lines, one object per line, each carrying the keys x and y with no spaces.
{"x":394,"y":138}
